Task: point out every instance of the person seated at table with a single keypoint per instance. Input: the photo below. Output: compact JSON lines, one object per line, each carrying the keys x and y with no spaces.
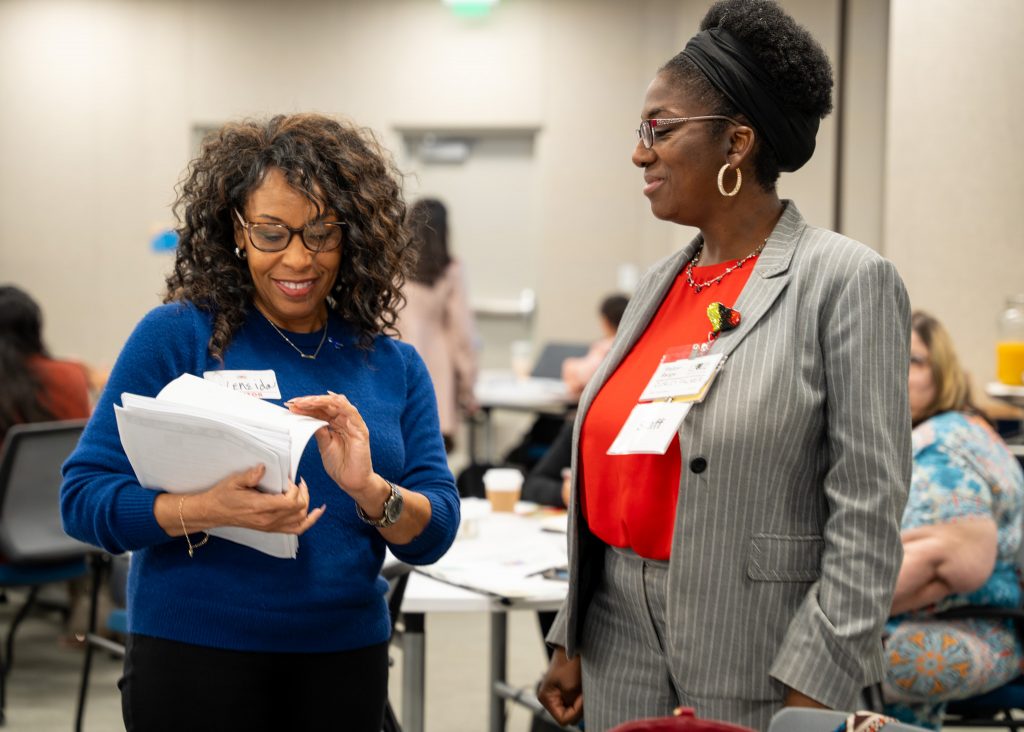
{"x":547,"y":483}
{"x":436,"y":318}
{"x":33,"y":386}
{"x":961,"y":533}
{"x":576,"y":371}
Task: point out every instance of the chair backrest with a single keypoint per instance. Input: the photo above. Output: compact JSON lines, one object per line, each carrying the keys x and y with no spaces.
{"x":549,"y":363}
{"x":806,"y":719}
{"x":30,"y":479}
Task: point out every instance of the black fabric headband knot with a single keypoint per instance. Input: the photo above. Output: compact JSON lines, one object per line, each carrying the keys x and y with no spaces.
{"x":731,"y":69}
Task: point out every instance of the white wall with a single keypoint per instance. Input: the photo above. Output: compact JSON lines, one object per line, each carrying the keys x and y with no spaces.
{"x":108,"y":92}
{"x":955,"y":171}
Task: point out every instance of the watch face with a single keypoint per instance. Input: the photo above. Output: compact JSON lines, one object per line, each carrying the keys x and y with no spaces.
{"x":393,"y":506}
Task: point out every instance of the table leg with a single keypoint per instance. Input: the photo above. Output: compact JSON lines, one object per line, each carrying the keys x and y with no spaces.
{"x":413,"y":671}
{"x":499,"y":657}
{"x":472,"y":447}
{"x":488,"y":436}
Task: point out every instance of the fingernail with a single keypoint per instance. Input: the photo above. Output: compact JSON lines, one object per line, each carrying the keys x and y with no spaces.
{"x":331,"y":393}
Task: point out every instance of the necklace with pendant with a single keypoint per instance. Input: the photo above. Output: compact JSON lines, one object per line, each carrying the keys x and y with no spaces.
{"x":310,"y":356}
{"x":698,"y":286}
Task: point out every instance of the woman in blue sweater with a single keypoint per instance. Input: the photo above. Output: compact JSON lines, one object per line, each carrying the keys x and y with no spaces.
{"x":292,"y":252}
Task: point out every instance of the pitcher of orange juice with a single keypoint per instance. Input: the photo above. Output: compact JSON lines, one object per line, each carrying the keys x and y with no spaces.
{"x":1010,"y":343}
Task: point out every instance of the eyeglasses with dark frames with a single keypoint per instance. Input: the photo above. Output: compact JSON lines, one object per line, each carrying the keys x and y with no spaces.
{"x":646,"y":130}
{"x":317,"y":237}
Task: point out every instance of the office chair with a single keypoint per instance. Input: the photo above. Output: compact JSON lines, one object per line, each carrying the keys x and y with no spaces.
{"x":396,"y":573}
{"x":34,"y":547}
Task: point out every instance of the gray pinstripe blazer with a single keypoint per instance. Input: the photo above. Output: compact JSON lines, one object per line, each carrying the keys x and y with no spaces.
{"x":786,"y":546}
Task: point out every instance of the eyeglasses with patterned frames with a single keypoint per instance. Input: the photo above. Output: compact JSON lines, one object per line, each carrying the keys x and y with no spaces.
{"x":317,"y":237}
{"x":646,"y":130}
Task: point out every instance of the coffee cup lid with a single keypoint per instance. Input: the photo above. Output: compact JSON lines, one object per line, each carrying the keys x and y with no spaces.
{"x":503,"y":479}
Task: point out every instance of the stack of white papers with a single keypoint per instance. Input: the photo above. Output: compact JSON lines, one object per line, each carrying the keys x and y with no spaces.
{"x":195,"y":433}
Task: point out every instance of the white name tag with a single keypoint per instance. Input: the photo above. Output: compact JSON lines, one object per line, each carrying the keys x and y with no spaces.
{"x":260,"y":384}
{"x":650,"y":428}
{"x":687,"y":379}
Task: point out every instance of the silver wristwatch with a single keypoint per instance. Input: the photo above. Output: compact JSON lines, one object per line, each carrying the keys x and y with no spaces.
{"x":392,"y":509}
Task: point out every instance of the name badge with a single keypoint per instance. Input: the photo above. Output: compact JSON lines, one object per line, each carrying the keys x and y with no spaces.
{"x":649,"y":429}
{"x":686,"y":379}
{"x":260,"y":384}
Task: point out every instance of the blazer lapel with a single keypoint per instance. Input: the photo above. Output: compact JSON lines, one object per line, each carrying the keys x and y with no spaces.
{"x":647,"y":300}
{"x":767,"y":281}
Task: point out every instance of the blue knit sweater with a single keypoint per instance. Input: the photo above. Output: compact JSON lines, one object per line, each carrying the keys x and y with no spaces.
{"x":229,"y":596}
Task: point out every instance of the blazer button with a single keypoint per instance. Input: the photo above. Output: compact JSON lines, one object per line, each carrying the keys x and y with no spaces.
{"x":698,"y":465}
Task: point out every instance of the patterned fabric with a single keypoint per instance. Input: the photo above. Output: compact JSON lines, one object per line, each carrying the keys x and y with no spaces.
{"x":933,"y":662}
{"x":961,"y":470}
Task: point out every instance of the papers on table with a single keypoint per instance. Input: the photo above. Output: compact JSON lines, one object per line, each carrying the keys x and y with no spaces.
{"x":195,"y":433}
{"x":507,"y":557}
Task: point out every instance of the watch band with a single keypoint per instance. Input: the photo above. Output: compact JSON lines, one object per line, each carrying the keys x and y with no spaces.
{"x":392,"y":512}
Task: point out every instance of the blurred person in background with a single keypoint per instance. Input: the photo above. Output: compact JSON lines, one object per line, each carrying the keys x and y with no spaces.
{"x":33,"y":386}
{"x":576,"y":371}
{"x":961,"y":537}
{"x":437,"y":319}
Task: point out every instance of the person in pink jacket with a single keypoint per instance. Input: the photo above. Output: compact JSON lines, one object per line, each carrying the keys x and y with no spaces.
{"x":437,"y":319}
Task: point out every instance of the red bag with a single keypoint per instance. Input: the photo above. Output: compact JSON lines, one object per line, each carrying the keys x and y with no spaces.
{"x":682,"y":720}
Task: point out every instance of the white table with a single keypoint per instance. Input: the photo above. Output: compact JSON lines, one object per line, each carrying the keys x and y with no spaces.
{"x":497,"y":551}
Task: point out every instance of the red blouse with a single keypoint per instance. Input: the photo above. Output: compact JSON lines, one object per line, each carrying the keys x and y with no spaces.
{"x":630,"y":500}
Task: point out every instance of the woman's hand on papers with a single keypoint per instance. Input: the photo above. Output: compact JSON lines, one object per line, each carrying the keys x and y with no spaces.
{"x":235,"y":501}
{"x":561,"y":689}
{"x":344,"y":444}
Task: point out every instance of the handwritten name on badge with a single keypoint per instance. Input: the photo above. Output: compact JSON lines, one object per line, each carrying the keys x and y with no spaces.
{"x":650,"y":428}
{"x":260,"y":384}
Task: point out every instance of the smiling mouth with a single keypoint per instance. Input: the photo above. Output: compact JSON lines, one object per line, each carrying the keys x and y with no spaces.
{"x":295,"y":289}
{"x":650,"y":185}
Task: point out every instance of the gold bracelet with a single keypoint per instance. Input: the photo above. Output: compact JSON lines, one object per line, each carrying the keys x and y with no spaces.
{"x":191,"y":547}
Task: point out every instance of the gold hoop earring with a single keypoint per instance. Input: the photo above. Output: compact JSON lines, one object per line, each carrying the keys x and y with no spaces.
{"x":721,"y":181}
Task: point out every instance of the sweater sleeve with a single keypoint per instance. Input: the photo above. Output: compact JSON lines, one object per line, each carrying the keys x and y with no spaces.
{"x":426,"y":466}
{"x":102,"y":502}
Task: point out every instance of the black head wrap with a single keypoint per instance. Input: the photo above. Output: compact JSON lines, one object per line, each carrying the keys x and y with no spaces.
{"x":731,"y":69}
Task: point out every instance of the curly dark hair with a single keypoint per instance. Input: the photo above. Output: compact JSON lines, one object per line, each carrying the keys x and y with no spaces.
{"x":786,"y":51}
{"x":340,"y":168}
{"x":428,"y":226}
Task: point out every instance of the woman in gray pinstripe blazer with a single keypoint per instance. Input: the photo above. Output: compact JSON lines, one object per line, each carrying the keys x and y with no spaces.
{"x":781,"y":499}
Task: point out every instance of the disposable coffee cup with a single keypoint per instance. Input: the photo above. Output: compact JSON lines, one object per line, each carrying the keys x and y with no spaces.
{"x":503,"y":486}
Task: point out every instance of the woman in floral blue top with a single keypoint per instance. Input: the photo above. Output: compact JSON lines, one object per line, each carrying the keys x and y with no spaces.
{"x":961,"y":536}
